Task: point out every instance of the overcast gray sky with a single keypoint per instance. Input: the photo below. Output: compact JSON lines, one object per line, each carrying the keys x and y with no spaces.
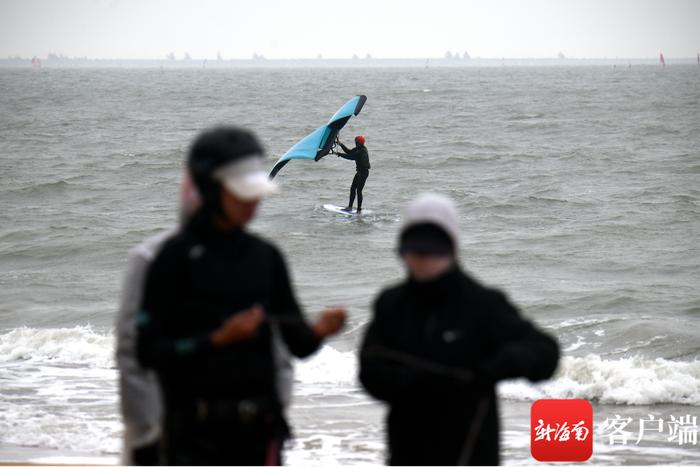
{"x":383,"y":28}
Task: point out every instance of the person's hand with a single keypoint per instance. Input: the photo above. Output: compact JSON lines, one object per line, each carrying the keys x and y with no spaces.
{"x":239,"y":327}
{"x":331,"y":322}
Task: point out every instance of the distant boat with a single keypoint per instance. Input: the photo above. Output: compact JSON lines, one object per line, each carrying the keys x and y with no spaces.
{"x":698,"y":59}
{"x":661,"y":60}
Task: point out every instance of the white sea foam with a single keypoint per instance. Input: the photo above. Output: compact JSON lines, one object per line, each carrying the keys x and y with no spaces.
{"x":627,"y":381}
{"x":580,"y":342}
{"x":633,"y":381}
{"x":58,"y":386}
{"x":71,"y":460}
{"x":57,"y":389}
{"x":328,"y":366}
{"x":79,"y":345}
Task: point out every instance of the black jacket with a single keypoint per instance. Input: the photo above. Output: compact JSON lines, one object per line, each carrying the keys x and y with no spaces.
{"x":359,"y":154}
{"x":434,"y":352}
{"x":201,"y":277}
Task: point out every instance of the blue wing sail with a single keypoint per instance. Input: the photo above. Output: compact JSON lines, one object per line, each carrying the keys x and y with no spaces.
{"x":319,"y":142}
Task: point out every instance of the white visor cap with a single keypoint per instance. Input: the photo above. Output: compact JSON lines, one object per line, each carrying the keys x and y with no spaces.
{"x":246,"y":179}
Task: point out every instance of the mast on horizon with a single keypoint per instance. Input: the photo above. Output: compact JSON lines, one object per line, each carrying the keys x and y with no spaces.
{"x":661,"y":60}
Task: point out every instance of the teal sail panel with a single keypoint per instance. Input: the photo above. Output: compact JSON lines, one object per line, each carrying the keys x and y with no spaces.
{"x":319,"y":142}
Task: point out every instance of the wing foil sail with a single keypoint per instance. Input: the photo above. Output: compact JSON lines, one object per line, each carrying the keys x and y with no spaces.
{"x":320,"y":142}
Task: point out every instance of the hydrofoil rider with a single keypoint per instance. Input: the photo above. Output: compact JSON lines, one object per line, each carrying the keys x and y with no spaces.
{"x":360,"y":155}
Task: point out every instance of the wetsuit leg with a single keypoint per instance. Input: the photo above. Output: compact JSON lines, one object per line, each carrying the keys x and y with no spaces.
{"x":353,"y":188}
{"x":361,"y":179}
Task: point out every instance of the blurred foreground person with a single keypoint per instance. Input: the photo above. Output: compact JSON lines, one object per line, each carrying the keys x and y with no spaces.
{"x":437,"y":345}
{"x":215,"y":297}
{"x":140,"y":400}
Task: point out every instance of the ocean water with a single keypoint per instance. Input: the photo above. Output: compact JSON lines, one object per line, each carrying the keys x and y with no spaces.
{"x":579,"y":195}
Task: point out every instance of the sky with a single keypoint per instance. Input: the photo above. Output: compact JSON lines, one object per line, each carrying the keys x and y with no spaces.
{"x":151,"y":29}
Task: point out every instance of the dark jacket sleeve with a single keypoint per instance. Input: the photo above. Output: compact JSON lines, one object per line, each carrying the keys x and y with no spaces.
{"x":392,"y":375}
{"x":296,"y":332}
{"x":350,"y":154}
{"x":521,"y":350}
{"x":154,"y":347}
{"x":381,"y":377}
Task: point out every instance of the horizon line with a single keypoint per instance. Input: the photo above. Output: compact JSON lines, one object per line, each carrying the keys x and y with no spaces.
{"x":369,"y":57}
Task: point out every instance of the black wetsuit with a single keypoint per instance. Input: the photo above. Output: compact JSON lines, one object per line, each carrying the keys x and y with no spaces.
{"x":221,"y":404}
{"x":421,"y":338}
{"x":360,"y":155}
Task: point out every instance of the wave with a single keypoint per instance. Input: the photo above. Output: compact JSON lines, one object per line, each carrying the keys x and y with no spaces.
{"x":45,"y":188}
{"x":66,"y":431}
{"x":78,"y":346}
{"x":629,"y":381}
{"x":624,"y":381}
{"x":58,"y":389}
{"x":59,"y":386}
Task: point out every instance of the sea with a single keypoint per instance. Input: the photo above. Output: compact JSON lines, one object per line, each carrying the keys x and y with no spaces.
{"x":578,"y":189}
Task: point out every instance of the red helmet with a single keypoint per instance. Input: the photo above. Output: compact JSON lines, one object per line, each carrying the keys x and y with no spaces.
{"x":359,"y":139}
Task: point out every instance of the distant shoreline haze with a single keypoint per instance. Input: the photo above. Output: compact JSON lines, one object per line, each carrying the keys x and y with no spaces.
{"x":82,"y":62}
